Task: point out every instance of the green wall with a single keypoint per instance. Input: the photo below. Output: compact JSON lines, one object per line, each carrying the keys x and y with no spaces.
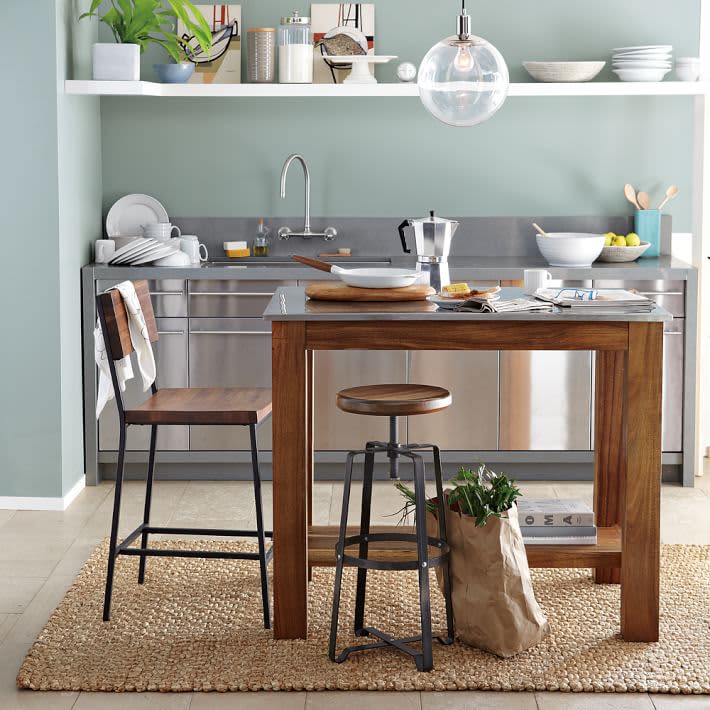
{"x":50,"y":197}
{"x":388,"y":157}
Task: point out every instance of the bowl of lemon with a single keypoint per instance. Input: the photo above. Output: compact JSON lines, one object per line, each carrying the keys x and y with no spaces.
{"x":619,"y":248}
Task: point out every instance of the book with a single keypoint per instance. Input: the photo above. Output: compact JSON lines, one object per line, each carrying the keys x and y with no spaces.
{"x":589,"y":540}
{"x":556,"y":531}
{"x":560,"y":512}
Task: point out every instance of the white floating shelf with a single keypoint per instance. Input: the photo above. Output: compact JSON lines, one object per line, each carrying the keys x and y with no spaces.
{"x":148,"y":88}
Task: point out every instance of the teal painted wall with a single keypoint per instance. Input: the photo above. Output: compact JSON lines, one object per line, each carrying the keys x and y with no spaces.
{"x":388,"y":157}
{"x":50,"y":189}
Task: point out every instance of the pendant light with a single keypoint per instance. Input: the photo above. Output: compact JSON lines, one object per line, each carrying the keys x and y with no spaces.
{"x":463,"y":80}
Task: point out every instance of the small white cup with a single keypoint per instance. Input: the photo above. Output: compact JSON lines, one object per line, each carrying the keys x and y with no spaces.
{"x":689,"y":72}
{"x":190,"y":244}
{"x":104,"y":249}
{"x":533,"y":279}
{"x":160,"y":230}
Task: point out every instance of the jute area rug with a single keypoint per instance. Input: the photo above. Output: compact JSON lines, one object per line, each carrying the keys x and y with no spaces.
{"x":196,"y":626}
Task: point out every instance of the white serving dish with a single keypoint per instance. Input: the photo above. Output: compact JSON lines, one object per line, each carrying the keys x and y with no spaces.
{"x":128,"y":215}
{"x":360,"y":73}
{"x":641,"y":74}
{"x":641,"y":65}
{"x":563,"y":71}
{"x":574,"y":249}
{"x":376,"y":278}
{"x":620,"y":255}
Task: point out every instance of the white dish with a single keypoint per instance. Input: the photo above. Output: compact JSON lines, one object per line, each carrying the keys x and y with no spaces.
{"x":620,"y":255}
{"x":376,"y":278}
{"x":642,"y":65}
{"x":563,"y":71}
{"x":641,"y":74}
{"x":687,"y":72}
{"x":642,"y":57}
{"x":128,"y":248}
{"x":360,"y":72}
{"x":572,"y":249}
{"x":645,"y":48}
{"x":137,"y":249}
{"x":154,"y":255}
{"x":128,"y":215}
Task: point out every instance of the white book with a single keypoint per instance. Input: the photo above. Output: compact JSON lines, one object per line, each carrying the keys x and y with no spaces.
{"x":553,"y":512}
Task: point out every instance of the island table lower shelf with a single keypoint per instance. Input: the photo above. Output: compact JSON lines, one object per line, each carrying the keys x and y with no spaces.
{"x":606,"y":553}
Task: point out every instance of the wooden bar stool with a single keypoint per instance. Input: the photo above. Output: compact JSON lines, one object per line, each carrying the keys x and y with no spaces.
{"x":393,"y":401}
{"x":194,"y":406}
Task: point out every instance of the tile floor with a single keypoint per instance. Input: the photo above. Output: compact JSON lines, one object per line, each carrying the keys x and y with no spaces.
{"x":40,"y":553}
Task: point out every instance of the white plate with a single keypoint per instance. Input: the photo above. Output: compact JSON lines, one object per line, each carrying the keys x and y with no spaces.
{"x":645,"y":48}
{"x":369,"y":58}
{"x":157,"y":246}
{"x":154,"y":255}
{"x":127,"y":215}
{"x":642,"y":65}
{"x":641,"y":74}
{"x":376,"y":278}
{"x":143,"y":246}
{"x":640,"y":56}
{"x":128,"y":248}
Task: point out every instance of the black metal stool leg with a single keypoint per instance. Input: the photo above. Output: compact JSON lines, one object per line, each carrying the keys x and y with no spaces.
{"x":339,"y":555}
{"x":368,"y":472}
{"x":392,"y":453}
{"x":441,"y":514}
{"x":263,"y":563}
{"x":148,"y":500}
{"x":425,"y":663}
{"x":114,"y":522}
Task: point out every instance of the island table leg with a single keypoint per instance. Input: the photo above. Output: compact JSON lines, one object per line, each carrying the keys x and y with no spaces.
{"x":289,"y":375}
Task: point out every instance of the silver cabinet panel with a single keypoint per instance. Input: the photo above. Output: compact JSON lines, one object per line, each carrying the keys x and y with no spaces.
{"x":232,"y":299}
{"x":337,"y":369}
{"x":471,"y":422}
{"x":171,"y":364}
{"x":545,"y":397}
{"x":229,"y":352}
{"x":673,"y":358}
{"x":169,"y":296}
{"x":667,"y":294}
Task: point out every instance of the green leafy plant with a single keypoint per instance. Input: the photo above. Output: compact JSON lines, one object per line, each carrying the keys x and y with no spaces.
{"x":145,"y":22}
{"x":480,"y":494}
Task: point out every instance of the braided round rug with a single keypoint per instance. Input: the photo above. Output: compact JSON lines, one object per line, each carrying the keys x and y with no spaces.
{"x":196,"y":626}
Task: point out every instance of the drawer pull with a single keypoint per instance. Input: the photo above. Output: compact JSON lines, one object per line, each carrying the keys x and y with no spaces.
{"x":232,"y":293}
{"x":672,"y":332}
{"x":171,"y":332}
{"x":661,"y":293}
{"x":167,"y":293}
{"x":230,"y":332}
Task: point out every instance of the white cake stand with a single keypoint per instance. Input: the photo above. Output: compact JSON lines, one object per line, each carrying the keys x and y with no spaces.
{"x":360,"y":73}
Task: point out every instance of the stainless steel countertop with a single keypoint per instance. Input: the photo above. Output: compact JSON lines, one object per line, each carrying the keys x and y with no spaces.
{"x":289,"y":303}
{"x":462,"y":268}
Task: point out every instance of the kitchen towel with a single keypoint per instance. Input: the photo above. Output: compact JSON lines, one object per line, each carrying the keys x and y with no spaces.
{"x":141,"y":344}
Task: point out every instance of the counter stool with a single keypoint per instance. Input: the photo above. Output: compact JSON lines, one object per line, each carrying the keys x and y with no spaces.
{"x":393,"y":401}
{"x":193,"y":406}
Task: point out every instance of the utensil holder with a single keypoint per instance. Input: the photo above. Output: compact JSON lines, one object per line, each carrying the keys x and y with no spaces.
{"x":647,"y":224}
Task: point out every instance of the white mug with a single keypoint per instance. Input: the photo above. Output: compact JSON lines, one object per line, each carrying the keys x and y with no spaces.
{"x":533,"y":279}
{"x":160,"y":230}
{"x":190,"y":244}
{"x":104,"y":249}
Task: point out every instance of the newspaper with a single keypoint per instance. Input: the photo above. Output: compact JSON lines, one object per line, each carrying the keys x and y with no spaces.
{"x":515,"y":305}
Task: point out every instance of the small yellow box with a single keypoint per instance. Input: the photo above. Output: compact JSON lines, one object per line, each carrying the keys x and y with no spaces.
{"x":237,"y":253}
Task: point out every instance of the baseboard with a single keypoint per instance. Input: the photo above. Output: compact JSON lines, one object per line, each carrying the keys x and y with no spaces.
{"x":43,"y":503}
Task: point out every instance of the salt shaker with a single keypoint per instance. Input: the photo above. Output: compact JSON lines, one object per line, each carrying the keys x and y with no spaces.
{"x":295,"y":50}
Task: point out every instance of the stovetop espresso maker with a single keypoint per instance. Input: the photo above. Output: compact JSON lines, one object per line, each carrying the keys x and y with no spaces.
{"x":432,"y":236}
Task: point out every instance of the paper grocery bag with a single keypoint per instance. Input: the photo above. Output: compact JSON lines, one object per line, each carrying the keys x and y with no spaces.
{"x":491,"y":589}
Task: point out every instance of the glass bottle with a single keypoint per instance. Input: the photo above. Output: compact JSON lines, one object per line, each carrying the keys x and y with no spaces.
{"x":295,"y":50}
{"x":261,"y":241}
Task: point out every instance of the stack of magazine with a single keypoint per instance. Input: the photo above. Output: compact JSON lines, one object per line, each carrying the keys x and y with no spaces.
{"x":556,"y":522}
{"x":597,"y":300}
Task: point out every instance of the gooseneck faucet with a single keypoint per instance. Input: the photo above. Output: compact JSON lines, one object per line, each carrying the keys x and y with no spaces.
{"x":284,"y":233}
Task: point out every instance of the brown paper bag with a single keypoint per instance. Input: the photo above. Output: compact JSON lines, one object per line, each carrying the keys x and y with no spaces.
{"x":491,"y":589}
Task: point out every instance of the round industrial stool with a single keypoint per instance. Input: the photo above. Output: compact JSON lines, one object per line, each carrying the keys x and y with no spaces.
{"x":393,"y":401}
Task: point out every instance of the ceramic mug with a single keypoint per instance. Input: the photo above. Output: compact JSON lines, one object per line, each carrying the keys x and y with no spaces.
{"x":160,"y":230}
{"x":190,"y":244}
{"x":104,"y":249}
{"x":533,"y":279}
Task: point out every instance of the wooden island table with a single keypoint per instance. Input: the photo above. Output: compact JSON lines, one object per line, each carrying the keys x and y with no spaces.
{"x":627,"y":433}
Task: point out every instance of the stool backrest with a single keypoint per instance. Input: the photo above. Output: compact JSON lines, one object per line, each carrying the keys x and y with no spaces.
{"x":115,"y":318}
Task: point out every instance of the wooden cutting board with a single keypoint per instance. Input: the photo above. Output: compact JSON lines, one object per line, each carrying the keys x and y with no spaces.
{"x":338,"y":291}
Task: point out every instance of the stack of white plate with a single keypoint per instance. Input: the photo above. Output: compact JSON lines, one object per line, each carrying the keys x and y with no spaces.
{"x":143,"y":251}
{"x":647,"y":63}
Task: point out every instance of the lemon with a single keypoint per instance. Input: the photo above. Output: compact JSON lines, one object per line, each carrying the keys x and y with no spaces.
{"x":618,"y":241}
{"x":632,"y":240}
{"x":608,"y":238}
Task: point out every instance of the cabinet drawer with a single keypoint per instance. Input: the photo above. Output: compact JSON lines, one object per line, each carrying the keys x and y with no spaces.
{"x":667,"y":294}
{"x":233,"y":298}
{"x":169,"y":296}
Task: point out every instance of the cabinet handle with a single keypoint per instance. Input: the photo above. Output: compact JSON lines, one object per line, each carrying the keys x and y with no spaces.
{"x":167,"y":293}
{"x":171,"y":332}
{"x":672,"y":332}
{"x":230,"y":332}
{"x":232,"y":293}
{"x":661,"y":293}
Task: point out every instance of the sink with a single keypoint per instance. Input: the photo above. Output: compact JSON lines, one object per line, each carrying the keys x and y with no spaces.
{"x":276,"y":262}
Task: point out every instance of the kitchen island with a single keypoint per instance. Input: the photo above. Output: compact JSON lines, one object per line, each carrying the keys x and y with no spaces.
{"x":627,"y":471}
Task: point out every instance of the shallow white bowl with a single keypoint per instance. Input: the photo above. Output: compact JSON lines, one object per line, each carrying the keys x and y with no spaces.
{"x":687,"y":72}
{"x":563,"y":71}
{"x":570,"y":248}
{"x":620,"y":255}
{"x":641,"y":74}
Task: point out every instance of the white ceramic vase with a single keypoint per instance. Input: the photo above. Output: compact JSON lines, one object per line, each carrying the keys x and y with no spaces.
{"x":115,"y":62}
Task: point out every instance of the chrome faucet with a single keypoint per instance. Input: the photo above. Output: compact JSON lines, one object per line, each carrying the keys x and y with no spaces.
{"x":284,"y":233}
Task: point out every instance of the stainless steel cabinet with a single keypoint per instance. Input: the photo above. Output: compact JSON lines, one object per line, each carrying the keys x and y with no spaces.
{"x":169,"y":296}
{"x":171,"y":362}
{"x":229,"y":352}
{"x":232,"y":299}
{"x":545,"y":397}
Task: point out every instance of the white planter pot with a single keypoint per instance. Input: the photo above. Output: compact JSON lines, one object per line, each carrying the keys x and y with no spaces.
{"x":116,"y":62}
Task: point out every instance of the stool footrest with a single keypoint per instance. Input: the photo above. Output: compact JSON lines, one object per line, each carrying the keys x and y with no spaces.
{"x":365,"y":563}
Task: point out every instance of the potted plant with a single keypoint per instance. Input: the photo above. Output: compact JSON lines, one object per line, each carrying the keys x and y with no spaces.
{"x":137,"y":23}
{"x":491,"y":588}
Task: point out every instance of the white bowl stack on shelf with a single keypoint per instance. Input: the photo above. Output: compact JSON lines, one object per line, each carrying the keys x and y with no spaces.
{"x":688,"y":68}
{"x":647,"y":63}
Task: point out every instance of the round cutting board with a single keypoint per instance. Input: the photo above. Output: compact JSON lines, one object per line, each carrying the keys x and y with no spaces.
{"x":335,"y":291}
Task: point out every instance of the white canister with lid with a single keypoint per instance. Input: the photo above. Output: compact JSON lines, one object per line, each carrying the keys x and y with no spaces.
{"x":295,"y":50}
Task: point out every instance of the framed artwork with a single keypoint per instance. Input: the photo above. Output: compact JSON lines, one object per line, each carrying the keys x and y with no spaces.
{"x":223,"y":65}
{"x":345,"y":24}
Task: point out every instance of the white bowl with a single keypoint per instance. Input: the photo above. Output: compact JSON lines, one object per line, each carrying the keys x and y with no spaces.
{"x":621,"y":254}
{"x":563,"y":71}
{"x":641,"y":74}
{"x":570,"y":248}
{"x":687,"y":72}
{"x":178,"y":258}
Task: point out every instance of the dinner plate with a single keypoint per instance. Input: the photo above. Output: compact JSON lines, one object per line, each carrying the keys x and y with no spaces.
{"x":646,"y":48}
{"x":136,"y":244}
{"x":154,"y":255}
{"x":145,"y":245}
{"x":131,"y":258}
{"x":128,"y":215}
{"x":642,"y":65}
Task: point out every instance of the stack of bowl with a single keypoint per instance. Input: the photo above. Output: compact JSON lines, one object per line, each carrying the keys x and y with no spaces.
{"x":688,"y":68}
{"x":647,"y":63}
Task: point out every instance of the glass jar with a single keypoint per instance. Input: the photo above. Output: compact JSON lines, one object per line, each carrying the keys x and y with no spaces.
{"x":295,"y":50}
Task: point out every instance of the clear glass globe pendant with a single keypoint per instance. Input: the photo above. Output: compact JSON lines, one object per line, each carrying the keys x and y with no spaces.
{"x":463,"y":80}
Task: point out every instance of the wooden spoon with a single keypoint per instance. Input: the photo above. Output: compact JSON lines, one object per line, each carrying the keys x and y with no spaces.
{"x":630,"y":195}
{"x":539,"y":230}
{"x":671,"y":194}
{"x":644,"y":200}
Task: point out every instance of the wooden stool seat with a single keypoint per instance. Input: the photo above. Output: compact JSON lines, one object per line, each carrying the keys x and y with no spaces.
{"x":203,"y":405}
{"x":393,"y":400}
